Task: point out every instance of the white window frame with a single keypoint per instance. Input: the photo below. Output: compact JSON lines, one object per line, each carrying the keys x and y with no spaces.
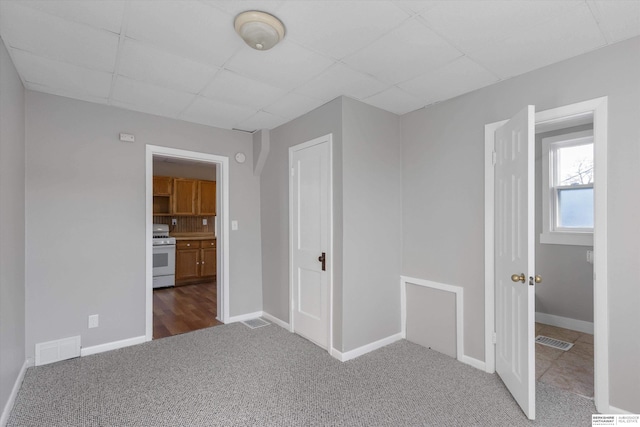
{"x":551,"y":233}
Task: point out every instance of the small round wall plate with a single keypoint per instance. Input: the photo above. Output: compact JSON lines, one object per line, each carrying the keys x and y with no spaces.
{"x":240,"y":157}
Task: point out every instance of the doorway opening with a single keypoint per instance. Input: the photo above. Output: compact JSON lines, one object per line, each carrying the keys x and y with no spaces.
{"x":594,"y":111}
{"x":564,"y":194}
{"x":210,"y":229}
{"x":184,"y":202}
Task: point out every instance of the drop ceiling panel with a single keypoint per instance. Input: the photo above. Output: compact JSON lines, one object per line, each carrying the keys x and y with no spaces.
{"x":188,"y":28}
{"x":405,"y":53}
{"x":293,"y":105}
{"x":395,"y":100}
{"x":417,"y":6}
{"x":105,"y":14}
{"x":555,"y":40}
{"x":472,"y":25}
{"x":58,"y":39}
{"x":233,"y":88}
{"x":145,"y":62}
{"x":286,"y":66}
{"x":235,"y":7}
{"x":149,"y":98}
{"x":183,"y":59}
{"x":618,"y":20}
{"x":214,"y":113}
{"x":458,"y":77}
{"x":261,"y":120}
{"x":61,"y":76}
{"x":336,"y":28}
{"x":341,"y":80}
{"x":67,"y":93}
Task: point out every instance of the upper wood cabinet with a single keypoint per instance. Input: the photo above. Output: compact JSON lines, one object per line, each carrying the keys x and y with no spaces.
{"x":206,"y":197}
{"x":162,"y":185}
{"x":184,"y":196}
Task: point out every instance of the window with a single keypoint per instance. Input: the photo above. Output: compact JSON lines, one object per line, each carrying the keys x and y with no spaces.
{"x":567,"y":189}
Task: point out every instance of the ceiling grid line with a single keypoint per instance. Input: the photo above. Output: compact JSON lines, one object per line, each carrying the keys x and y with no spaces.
{"x":183,"y":59}
{"x":121,"y":39}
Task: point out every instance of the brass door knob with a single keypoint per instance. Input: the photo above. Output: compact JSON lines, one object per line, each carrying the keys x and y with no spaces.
{"x":518,"y":277}
{"x":538,"y":278}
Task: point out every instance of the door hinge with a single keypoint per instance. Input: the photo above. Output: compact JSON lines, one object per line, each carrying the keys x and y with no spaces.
{"x":493,"y":158}
{"x":494,"y":338}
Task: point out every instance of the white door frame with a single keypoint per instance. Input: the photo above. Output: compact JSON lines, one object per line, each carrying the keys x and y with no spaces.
{"x":329,"y":256}
{"x":597,"y":107}
{"x":222,"y":216}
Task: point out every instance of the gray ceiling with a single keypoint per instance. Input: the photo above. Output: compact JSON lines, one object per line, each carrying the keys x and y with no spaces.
{"x":182,"y":59}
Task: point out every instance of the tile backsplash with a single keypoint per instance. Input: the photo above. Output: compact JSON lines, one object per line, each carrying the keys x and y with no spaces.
{"x":187,"y":224}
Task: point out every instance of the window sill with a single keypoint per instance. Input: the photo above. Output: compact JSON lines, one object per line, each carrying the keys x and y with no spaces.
{"x":574,"y":239}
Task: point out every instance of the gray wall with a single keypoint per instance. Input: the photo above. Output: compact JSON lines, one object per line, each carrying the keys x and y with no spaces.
{"x":274,"y":202}
{"x":85,"y":240}
{"x":443,"y":197}
{"x":567,"y":286}
{"x":182,"y":169}
{"x":12,"y":226}
{"x":371,"y":178}
{"x":367,"y":220}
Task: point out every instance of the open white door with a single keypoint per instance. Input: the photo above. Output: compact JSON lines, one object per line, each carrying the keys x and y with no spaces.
{"x":514,"y":257}
{"x":310,"y":238}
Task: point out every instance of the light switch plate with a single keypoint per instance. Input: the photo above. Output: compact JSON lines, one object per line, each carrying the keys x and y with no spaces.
{"x":234,"y":225}
{"x":204,"y":221}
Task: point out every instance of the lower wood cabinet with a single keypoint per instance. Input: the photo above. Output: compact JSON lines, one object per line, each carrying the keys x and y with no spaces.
{"x":196,"y":261}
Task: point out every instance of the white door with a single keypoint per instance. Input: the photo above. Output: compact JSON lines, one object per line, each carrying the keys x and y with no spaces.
{"x":310,"y":239}
{"x":514,"y":257}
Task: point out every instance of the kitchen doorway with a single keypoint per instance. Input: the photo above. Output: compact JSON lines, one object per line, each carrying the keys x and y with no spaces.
{"x":184,"y":204}
{"x":221,"y":225}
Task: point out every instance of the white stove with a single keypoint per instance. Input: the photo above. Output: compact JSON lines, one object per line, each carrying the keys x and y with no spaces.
{"x":161,"y":235}
{"x":164,"y":257}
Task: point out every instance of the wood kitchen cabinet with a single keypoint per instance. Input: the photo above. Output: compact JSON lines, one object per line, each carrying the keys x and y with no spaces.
{"x":206,"y":198}
{"x":195,"y":261}
{"x":184,"y":196}
{"x":162,"y":190}
{"x":187,"y":264}
{"x":209,"y":260}
{"x":162,"y":185}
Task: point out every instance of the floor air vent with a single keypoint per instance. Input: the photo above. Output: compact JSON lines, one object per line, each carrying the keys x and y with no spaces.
{"x":554,"y":343}
{"x":256,"y":323}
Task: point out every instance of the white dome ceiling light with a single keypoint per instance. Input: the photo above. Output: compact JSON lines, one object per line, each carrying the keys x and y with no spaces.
{"x":259,"y":30}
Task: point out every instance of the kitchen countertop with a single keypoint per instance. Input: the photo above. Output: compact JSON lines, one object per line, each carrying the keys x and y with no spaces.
{"x":193,"y":236}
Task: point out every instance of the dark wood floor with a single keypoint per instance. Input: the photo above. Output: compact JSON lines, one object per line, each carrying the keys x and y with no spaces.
{"x":184,"y":309}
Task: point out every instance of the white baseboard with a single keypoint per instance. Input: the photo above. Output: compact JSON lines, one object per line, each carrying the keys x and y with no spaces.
{"x":478,"y":364}
{"x":276,"y":321}
{"x":243,"y":317}
{"x":352,"y":354}
{"x":565,"y":322}
{"x":14,"y":393}
{"x":101,"y":348}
